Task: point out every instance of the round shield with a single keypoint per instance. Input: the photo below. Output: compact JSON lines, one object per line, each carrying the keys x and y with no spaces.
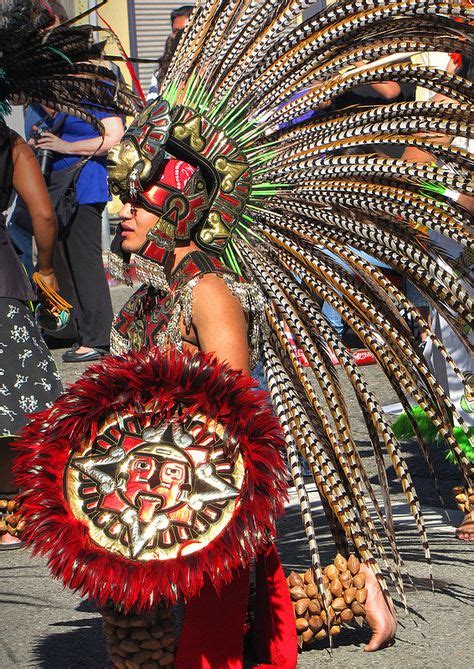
{"x":153,"y":472}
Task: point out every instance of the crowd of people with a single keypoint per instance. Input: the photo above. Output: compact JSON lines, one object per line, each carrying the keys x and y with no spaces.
{"x":63,"y":176}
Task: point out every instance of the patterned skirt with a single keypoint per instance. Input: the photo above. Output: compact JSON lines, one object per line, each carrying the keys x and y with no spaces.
{"x":29,"y":380}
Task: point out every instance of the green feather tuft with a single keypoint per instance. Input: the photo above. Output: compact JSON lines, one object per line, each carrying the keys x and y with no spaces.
{"x":402,"y":428}
{"x":464,"y":442}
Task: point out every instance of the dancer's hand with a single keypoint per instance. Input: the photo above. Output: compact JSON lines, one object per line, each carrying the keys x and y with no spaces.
{"x":380,"y":613}
{"x":49,"y":278}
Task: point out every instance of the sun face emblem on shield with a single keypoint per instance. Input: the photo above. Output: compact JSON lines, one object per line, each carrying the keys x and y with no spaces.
{"x":155,"y":492}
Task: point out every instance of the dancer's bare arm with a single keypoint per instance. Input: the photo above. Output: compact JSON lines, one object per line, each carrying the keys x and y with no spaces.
{"x":220,"y":323}
{"x":30,"y":186}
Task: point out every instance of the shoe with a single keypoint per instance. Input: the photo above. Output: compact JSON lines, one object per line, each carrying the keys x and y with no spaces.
{"x":363,"y":357}
{"x":73,"y":348}
{"x":73,"y":356}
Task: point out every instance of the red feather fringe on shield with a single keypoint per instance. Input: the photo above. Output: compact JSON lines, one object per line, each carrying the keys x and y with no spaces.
{"x":123,"y":385}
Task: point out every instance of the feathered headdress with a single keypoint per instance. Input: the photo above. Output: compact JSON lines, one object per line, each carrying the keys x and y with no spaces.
{"x":293,"y":201}
{"x":55,"y":67}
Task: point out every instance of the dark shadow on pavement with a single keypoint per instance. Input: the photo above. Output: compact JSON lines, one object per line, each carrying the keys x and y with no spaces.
{"x":79,"y":648}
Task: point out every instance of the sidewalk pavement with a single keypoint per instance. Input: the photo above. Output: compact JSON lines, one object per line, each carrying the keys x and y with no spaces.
{"x":44,"y":626}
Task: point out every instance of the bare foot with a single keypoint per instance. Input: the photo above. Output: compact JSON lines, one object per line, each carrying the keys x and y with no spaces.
{"x":7,"y":539}
{"x":83,"y":349}
{"x":380,"y":613}
{"x":465,"y":532}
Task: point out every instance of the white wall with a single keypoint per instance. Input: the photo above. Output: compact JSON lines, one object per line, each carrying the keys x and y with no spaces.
{"x":15,"y":120}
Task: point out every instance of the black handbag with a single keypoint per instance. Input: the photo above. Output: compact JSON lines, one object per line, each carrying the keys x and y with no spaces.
{"x":62,"y":191}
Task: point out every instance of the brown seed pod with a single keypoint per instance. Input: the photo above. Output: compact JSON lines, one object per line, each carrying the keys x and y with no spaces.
{"x":349,"y":595}
{"x":353,"y":564}
{"x":301,"y":625}
{"x":108,"y":627}
{"x":140,"y":634}
{"x":338,"y":604}
{"x":297,"y":592}
{"x":346,"y":579}
{"x":335,"y":588}
{"x":21,"y":527}
{"x":157,"y":631}
{"x":346,"y":616}
{"x":152,"y":644}
{"x":335,"y":629}
{"x":322,"y":634}
{"x":331,"y":572}
{"x":295,"y":579}
{"x":141,"y":656}
{"x":167,"y":639}
{"x":138,"y":621}
{"x":117,"y":661}
{"x":324,"y":616}
{"x":307,"y":635}
{"x":308,"y":576}
{"x":325,"y":581}
{"x":315,"y":623}
{"x":359,"y":580}
{"x":315,"y":606}
{"x":340,"y":563}
{"x":166,"y":660}
{"x":156,"y":654}
{"x":311,"y":590}
{"x":122,"y":632}
{"x":361,"y":595}
{"x":108,"y":616}
{"x":357,"y":608}
{"x":301,"y":606}
{"x":130,"y":646}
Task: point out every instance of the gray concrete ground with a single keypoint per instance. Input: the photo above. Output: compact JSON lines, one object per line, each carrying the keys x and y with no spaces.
{"x":43,"y":626}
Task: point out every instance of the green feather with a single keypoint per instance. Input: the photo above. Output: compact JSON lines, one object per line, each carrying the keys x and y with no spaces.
{"x":402,"y":428}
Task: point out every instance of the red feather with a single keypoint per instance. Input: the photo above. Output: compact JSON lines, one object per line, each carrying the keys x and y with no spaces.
{"x":124,"y":384}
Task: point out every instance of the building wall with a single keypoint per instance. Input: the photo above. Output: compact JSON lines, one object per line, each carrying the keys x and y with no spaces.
{"x":150,"y":21}
{"x":115,"y":12}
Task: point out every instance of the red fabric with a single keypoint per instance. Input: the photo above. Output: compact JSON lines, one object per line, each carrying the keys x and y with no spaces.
{"x":175,"y":173}
{"x":213,"y":632}
{"x":274,"y":629}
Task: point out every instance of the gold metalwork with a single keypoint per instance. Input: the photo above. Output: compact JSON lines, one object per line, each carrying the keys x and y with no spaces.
{"x":191,"y":129}
{"x":131,"y":521}
{"x":121,"y":161}
{"x":213,"y":228}
{"x":232,"y":171}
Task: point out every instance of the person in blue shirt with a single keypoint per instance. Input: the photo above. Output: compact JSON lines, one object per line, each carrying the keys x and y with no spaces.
{"x":76,"y":141}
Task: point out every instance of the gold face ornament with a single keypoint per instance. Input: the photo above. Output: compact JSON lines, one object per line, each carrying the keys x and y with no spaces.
{"x":155,"y":492}
{"x":126,"y":167}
